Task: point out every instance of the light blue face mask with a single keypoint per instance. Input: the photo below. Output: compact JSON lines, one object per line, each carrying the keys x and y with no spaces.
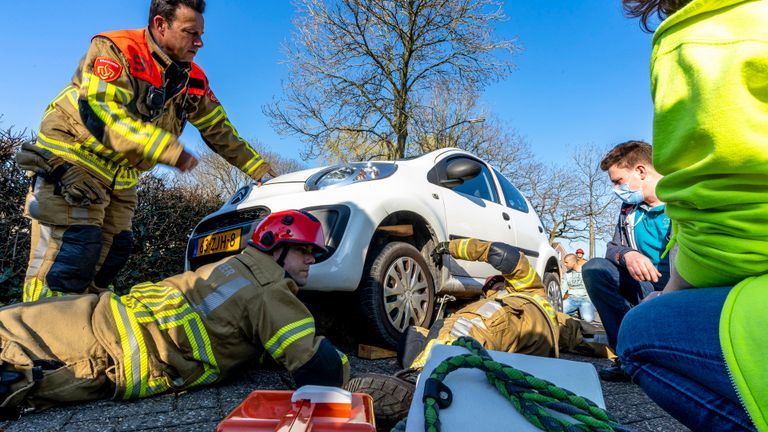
{"x":627,"y":195}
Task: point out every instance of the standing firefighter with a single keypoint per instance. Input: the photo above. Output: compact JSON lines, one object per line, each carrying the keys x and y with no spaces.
{"x":123,"y":112}
{"x":187,"y":330}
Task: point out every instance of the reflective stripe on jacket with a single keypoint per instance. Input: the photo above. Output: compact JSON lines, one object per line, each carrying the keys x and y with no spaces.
{"x":196,"y":327}
{"x":127,"y":105}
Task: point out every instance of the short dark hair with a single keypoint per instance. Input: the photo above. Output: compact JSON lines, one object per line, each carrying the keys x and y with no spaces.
{"x":167,"y":8}
{"x":628,"y":154}
{"x":645,"y":9}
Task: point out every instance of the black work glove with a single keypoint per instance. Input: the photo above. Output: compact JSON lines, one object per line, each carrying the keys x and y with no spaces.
{"x":80,"y":189}
{"x":438,"y":252}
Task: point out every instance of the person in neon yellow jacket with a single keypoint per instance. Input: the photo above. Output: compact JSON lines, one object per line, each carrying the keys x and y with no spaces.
{"x":709,"y":79}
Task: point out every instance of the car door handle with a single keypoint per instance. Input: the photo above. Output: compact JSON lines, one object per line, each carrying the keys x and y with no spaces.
{"x":505,"y":216}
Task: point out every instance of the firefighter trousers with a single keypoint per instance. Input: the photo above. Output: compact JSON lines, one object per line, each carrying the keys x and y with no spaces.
{"x":52,"y":343}
{"x":74,"y":249}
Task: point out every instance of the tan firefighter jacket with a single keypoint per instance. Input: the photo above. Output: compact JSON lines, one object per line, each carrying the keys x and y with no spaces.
{"x":193,"y":328}
{"x":516,"y":319}
{"x":126,"y":106}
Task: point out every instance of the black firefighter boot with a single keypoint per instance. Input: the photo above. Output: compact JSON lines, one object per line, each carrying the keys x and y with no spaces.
{"x":7,"y":378}
{"x":391,"y":395}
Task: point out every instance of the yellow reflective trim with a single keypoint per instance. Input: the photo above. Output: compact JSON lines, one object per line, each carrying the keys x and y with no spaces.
{"x":153,"y":302}
{"x":344,"y":359}
{"x":210,"y":119}
{"x":286,"y":329}
{"x":118,"y":119}
{"x":125,"y":345}
{"x":32,"y":290}
{"x":210,"y":367}
{"x":70,"y":152}
{"x":522,"y":281}
{"x":421,"y":359}
{"x":258,"y":164}
{"x":291,"y":340}
{"x":462,"y":249}
{"x":72,"y":96}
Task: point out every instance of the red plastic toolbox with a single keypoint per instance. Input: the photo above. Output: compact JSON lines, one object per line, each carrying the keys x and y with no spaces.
{"x":310,"y":408}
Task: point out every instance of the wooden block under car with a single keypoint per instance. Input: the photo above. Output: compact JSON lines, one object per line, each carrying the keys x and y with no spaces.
{"x":371,"y":352}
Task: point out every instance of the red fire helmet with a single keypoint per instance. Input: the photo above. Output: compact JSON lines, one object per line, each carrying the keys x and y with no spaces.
{"x":289,"y":226}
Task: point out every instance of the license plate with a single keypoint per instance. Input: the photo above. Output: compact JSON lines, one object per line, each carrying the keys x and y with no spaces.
{"x":226,"y":241}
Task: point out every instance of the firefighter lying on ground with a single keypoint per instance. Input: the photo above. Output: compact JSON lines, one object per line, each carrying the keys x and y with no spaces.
{"x":187,"y":330}
{"x":513,"y":316}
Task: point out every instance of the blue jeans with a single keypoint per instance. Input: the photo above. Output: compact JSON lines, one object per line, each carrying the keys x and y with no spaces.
{"x":613,"y":292}
{"x":671,"y":347}
{"x":583,"y":305}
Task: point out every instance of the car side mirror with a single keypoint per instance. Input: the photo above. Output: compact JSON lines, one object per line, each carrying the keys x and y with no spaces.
{"x":458,"y":171}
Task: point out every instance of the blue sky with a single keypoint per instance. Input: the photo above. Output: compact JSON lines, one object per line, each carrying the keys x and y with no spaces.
{"x":582,"y":76}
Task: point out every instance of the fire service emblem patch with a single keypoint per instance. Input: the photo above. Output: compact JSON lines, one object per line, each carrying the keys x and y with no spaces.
{"x":107,"y":69}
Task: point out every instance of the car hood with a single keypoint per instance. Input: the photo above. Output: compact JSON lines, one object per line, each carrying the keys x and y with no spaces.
{"x":294,"y":177}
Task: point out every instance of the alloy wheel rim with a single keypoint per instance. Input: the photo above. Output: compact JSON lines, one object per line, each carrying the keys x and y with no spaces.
{"x":553,"y":292}
{"x":405,"y":293}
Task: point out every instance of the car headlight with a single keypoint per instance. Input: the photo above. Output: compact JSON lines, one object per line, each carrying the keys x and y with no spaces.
{"x":342,"y":175}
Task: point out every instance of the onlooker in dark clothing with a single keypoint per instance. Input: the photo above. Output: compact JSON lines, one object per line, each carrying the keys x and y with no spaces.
{"x":633,"y":265}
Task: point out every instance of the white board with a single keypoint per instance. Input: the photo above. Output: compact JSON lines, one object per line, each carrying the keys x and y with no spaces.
{"x":478,"y":406}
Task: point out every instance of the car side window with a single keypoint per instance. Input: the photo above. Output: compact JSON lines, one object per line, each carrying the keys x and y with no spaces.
{"x":514,"y":199}
{"x":481,"y":186}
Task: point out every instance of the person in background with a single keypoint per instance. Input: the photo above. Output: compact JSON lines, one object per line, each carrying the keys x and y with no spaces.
{"x":709,"y":69}
{"x":575,"y":297}
{"x":580,"y":256}
{"x":634,"y":265}
{"x":188,"y":330}
{"x":121,"y":114}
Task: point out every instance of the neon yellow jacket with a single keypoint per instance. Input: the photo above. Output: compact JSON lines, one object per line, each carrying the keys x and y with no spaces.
{"x":709,"y":79}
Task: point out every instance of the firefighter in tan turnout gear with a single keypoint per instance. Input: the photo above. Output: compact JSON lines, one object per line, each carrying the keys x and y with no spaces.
{"x":187,"y":330}
{"x":121,"y":114}
{"x":513,"y":316}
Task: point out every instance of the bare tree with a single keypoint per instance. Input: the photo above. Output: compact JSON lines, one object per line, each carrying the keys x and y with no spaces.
{"x":452,"y":118}
{"x":358,"y":67}
{"x":550,"y":190}
{"x":219,"y":176}
{"x":595,"y":199}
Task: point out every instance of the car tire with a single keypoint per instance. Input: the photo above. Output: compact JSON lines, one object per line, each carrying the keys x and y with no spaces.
{"x":552,"y":286}
{"x":397,"y":291}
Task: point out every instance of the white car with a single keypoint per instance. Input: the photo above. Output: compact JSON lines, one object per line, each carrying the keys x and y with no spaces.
{"x":381,"y":220}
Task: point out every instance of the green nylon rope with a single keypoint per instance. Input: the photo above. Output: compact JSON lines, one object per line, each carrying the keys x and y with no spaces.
{"x":528,"y":394}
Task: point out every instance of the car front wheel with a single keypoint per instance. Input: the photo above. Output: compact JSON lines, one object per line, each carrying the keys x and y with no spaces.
{"x":397,"y":291}
{"x":552,"y":285}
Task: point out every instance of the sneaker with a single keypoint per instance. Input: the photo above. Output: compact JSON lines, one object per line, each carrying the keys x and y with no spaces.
{"x":614,"y":373}
{"x":391,"y":396}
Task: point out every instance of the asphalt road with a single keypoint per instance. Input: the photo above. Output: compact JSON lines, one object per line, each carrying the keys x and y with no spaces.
{"x":201,"y":410}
